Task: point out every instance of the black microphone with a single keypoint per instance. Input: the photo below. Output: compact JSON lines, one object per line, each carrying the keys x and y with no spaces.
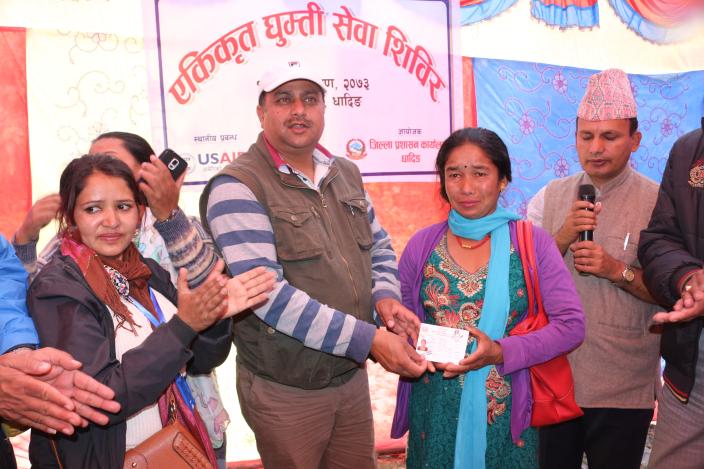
{"x":587,"y":192}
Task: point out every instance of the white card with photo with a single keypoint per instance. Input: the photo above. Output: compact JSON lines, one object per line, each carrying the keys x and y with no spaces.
{"x":442,"y":344}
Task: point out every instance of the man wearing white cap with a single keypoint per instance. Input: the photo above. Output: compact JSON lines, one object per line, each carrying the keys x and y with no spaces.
{"x":290,"y":205}
{"x":672,"y":253}
{"x":616,"y":367}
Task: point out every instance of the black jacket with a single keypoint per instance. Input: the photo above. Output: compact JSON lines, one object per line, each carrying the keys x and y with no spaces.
{"x":671,"y":247}
{"x":70,"y":317}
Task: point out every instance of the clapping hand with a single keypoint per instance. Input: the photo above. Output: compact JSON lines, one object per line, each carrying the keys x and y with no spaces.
{"x":220,"y":297}
{"x":206,"y":304}
{"x":249,"y":289}
{"x":44,"y":389}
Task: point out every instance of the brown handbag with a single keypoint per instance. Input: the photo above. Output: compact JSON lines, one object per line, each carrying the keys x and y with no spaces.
{"x":172,"y":447}
{"x":551,"y":382}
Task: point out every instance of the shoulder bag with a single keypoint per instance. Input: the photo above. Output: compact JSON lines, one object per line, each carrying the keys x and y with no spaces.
{"x":551,"y":382}
{"x":172,"y":447}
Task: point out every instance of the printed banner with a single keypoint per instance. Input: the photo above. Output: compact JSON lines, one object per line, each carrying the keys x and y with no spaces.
{"x":388,"y":68}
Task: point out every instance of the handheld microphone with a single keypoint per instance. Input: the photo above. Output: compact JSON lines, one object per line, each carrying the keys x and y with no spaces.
{"x":587,"y":192}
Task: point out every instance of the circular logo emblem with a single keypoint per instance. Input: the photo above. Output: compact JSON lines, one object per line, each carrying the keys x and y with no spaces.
{"x":356,"y":150}
{"x":190,"y":160}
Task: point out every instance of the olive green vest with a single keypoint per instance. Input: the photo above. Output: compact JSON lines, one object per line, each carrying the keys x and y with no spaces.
{"x":323,"y":241}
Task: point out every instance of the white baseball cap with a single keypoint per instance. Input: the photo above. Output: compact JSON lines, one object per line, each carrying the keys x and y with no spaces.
{"x":292,"y":70}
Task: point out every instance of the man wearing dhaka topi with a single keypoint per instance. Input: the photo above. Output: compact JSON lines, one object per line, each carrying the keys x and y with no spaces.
{"x":616,"y":367}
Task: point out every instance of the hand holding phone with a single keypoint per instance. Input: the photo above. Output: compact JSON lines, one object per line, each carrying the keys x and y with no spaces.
{"x":162,"y":191}
{"x":173,"y":162}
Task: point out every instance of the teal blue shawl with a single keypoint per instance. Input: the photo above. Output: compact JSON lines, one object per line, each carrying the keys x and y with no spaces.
{"x":470,"y":444}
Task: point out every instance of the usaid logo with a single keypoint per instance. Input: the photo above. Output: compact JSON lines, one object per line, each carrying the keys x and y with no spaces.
{"x":205,"y":159}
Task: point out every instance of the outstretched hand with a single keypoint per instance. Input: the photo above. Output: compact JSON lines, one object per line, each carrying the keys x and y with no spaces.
{"x":689,"y":306}
{"x":396,"y":355}
{"x":398,"y":319}
{"x":249,"y":289}
{"x":488,"y":352}
{"x":44,"y":389}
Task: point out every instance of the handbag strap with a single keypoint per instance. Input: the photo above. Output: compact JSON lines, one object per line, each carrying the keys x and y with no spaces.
{"x":157,"y":321}
{"x":526,"y":250}
{"x":55,"y":450}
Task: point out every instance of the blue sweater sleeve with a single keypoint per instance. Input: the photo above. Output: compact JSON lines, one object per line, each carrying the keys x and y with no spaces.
{"x":16,"y":327}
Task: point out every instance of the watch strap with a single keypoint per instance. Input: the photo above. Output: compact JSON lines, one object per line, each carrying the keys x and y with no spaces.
{"x":628,"y":275}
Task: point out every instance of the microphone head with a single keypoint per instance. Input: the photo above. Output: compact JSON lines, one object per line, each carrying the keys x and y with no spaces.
{"x":587,"y":192}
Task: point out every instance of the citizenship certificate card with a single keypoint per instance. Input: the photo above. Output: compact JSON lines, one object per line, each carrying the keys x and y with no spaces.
{"x":442,"y":344}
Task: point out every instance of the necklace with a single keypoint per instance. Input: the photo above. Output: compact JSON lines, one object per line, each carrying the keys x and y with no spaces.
{"x":466,"y":244}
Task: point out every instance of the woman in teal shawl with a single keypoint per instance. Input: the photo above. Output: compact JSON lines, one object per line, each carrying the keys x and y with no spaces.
{"x":465,"y":273}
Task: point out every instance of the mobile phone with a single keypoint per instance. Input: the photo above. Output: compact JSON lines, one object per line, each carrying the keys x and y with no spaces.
{"x":175,"y":163}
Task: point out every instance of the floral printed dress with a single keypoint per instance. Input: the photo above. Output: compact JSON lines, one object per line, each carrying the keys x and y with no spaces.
{"x":453,"y":297}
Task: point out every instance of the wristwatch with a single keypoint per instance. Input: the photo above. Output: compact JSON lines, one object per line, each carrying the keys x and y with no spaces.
{"x":628,"y":275}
